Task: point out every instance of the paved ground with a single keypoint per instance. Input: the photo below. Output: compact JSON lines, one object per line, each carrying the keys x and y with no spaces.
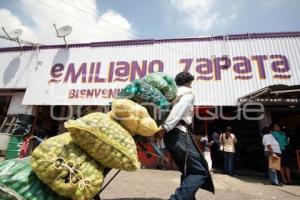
{"x":148,"y":184}
{"x":154,"y":184}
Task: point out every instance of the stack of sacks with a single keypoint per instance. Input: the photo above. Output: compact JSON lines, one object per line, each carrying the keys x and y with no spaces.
{"x":155,"y":92}
{"x":148,"y":96}
{"x":72,"y":164}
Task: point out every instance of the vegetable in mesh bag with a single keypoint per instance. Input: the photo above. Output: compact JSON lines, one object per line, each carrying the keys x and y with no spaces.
{"x":133,"y":117}
{"x":104,"y":140}
{"x":148,"y":96}
{"x":164,"y":83}
{"x":19,"y":182}
{"x":64,"y":167}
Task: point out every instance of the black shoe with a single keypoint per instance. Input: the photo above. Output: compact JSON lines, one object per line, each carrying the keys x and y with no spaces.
{"x":277,"y":184}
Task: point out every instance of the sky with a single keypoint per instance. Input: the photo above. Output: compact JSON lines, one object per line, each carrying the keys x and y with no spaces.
{"x":107,"y":20}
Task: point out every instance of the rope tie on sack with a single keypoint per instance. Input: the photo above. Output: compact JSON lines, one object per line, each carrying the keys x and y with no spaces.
{"x":73,"y":172}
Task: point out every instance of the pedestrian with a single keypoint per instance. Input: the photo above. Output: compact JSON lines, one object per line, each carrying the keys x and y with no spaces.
{"x":285,"y":157}
{"x":228,"y":141}
{"x":176,"y":132}
{"x":272,"y":150}
{"x":215,"y":149}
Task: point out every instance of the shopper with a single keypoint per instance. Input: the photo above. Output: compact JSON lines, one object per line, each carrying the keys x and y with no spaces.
{"x":206,"y":150}
{"x":272,"y":150}
{"x":228,"y":141}
{"x":177,"y":137}
{"x":215,"y":149}
{"x":285,"y":157}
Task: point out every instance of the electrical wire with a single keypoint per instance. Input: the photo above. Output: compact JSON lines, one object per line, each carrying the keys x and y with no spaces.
{"x":104,"y":20}
{"x":79,"y":20}
{"x":112,"y":32}
{"x":129,"y":31}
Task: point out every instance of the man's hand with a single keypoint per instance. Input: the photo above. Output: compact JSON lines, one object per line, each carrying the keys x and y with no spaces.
{"x":160,"y":134}
{"x":274,"y":156}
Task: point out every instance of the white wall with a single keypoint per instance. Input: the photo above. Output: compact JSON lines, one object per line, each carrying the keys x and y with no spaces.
{"x":16,"y":107}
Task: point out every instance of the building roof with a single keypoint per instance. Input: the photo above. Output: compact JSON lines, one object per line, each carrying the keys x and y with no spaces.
{"x":154,"y":41}
{"x":278,"y":94}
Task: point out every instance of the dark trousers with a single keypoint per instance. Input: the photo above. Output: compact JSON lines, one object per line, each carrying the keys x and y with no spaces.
{"x":178,"y":144}
{"x":229,"y":163}
{"x":215,"y":156}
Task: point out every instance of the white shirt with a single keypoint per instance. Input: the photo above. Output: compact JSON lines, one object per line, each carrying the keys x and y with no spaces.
{"x":270,"y":140}
{"x":182,"y":110}
{"x":228,"y":143}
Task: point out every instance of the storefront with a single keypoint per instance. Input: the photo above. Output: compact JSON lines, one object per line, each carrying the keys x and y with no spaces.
{"x":63,"y":80}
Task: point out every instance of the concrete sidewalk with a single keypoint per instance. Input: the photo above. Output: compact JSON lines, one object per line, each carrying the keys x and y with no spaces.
{"x":156,"y":184}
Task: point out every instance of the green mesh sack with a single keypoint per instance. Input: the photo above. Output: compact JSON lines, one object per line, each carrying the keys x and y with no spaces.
{"x":164,"y":83}
{"x":148,"y":96}
{"x":105,"y":140}
{"x":65,"y":168}
{"x":19,"y":182}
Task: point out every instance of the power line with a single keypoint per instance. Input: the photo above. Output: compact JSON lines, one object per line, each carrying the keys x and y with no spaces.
{"x":104,"y":20}
{"x":79,"y":20}
{"x":129,"y":31}
{"x":84,"y":22}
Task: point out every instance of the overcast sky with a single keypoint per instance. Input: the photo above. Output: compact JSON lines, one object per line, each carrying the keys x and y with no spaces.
{"x":105,"y":20}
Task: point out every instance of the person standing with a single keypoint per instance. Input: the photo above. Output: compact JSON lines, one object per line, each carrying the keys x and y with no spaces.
{"x":272,"y":150}
{"x":206,"y":150}
{"x":176,"y":132}
{"x":228,"y":141}
{"x":285,"y":157}
{"x":215,"y":149}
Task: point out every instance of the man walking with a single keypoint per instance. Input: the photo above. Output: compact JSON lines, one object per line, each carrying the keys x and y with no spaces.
{"x":178,"y":141}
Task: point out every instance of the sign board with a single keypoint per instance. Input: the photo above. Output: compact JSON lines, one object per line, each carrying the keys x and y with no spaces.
{"x":224,"y":70}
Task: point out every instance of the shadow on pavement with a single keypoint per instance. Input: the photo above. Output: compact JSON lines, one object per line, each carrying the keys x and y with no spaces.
{"x":252,"y":179}
{"x":135,"y":199}
{"x":261,"y":180}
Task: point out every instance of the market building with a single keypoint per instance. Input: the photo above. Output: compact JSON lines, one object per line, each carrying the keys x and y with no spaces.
{"x":246,"y":81}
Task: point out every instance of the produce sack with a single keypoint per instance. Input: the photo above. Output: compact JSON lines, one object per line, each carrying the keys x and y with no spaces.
{"x":133,"y":117}
{"x":19,"y":182}
{"x":164,"y":83}
{"x":148,"y":96}
{"x":104,"y":140}
{"x":70,"y":172}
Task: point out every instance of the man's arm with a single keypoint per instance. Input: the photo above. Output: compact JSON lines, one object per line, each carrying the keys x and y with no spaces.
{"x":234,"y":139}
{"x":267,"y":142}
{"x":271,"y":151}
